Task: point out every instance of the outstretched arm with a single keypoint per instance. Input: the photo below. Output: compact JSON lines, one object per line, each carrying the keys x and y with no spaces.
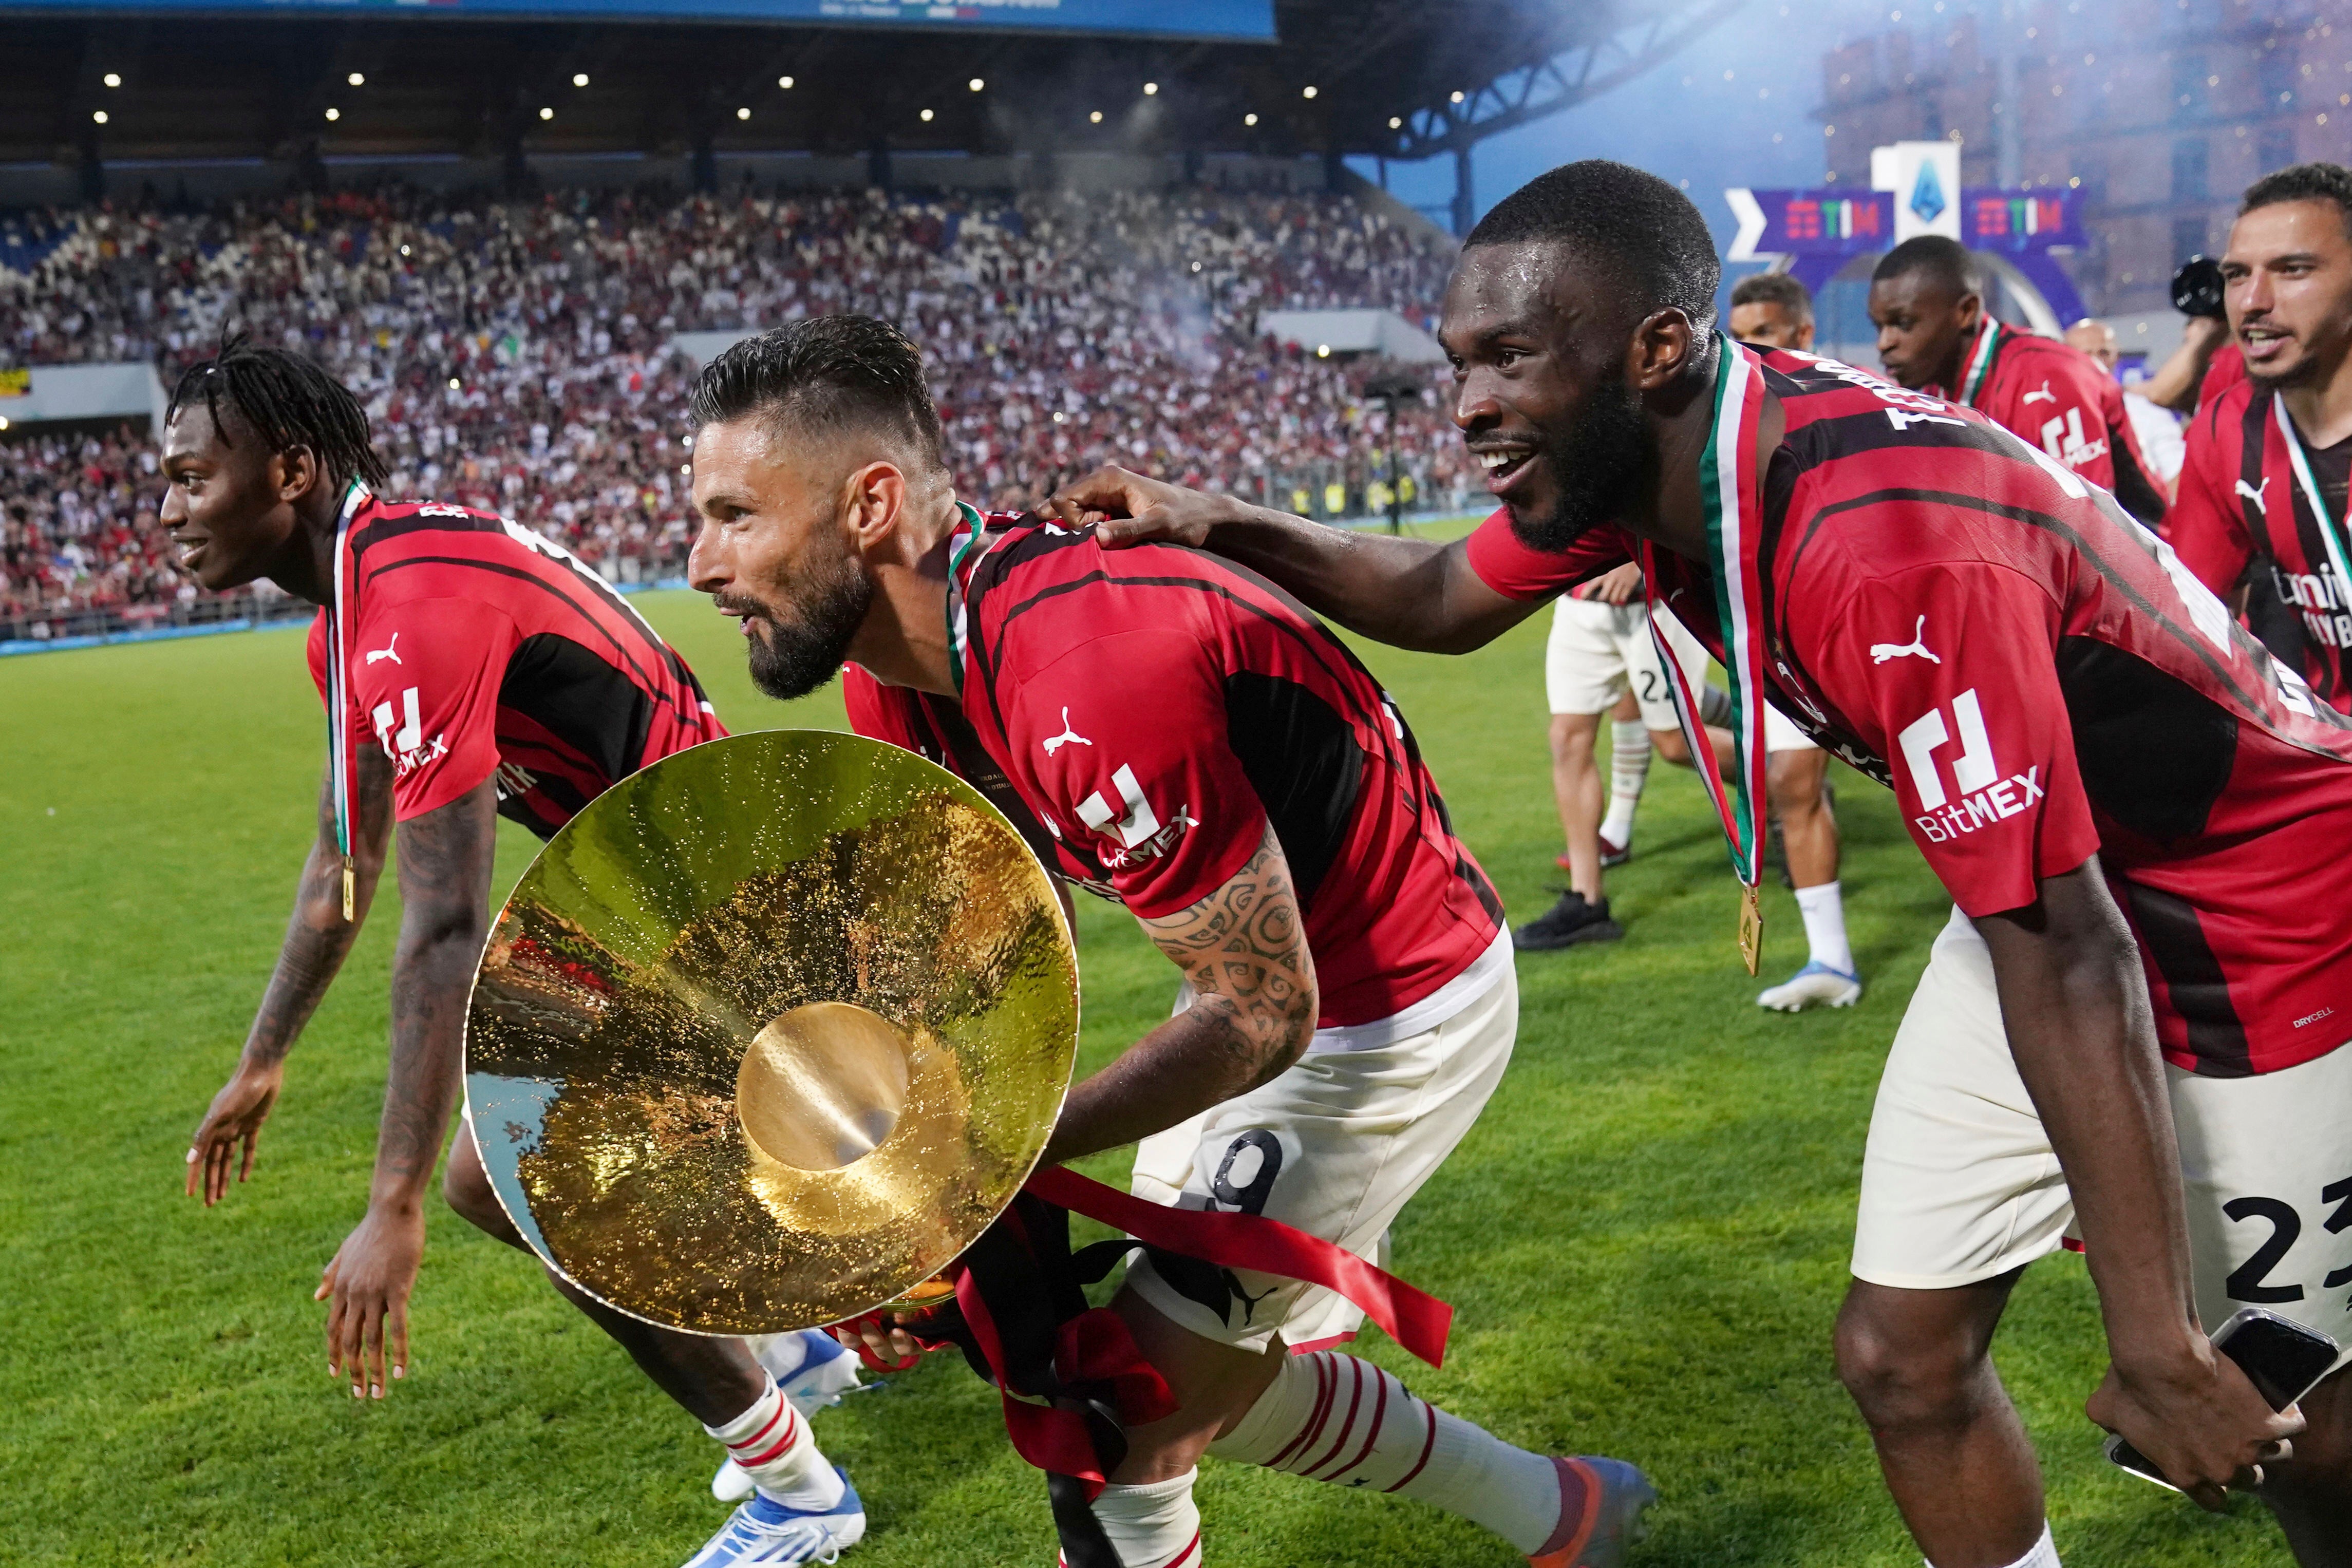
{"x":317,"y":939}
{"x":1243,"y":949}
{"x":2073,"y":999}
{"x":445,"y":889}
{"x":1408,"y":593}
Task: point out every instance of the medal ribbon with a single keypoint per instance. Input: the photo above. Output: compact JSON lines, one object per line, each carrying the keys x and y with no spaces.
{"x":1990,"y":332}
{"x":2330,"y":533}
{"x":340,"y":761}
{"x":1731,"y":491}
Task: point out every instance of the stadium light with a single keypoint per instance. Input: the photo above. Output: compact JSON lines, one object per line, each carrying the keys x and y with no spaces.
{"x":546,"y":114}
{"x":579,"y":78}
{"x":356,"y":79}
{"x":335,"y":114}
{"x":926,"y":117}
{"x":455,"y":385}
{"x":4,"y":421}
{"x":784,"y":82}
{"x":1322,"y":351}
{"x":742,"y":114}
{"x":976,"y":84}
{"x":1310,"y":92}
{"x":98,"y":117}
{"x":112,"y":79}
{"x":1249,"y":119}
{"x":1151,"y":90}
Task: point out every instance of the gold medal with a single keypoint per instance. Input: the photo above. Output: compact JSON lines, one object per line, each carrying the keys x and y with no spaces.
{"x":347,"y":890}
{"x":1751,"y":928}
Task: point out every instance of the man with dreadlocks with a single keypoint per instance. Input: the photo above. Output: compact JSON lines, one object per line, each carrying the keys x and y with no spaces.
{"x":471,"y":669}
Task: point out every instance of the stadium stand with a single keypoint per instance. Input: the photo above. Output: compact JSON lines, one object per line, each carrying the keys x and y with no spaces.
{"x":520,"y":356}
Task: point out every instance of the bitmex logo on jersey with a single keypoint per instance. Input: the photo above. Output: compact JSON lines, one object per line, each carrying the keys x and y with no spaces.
{"x":1141,"y":834}
{"x":406,"y":745}
{"x":1985,"y":797}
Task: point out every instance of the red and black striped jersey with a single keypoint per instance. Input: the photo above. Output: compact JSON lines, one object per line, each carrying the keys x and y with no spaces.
{"x":2039,"y":678}
{"x":2062,"y":401}
{"x":2241,"y":509}
{"x":1156,"y":709}
{"x":475,"y":647}
{"x":934,"y":727}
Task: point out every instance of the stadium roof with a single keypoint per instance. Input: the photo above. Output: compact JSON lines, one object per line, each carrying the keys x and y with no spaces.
{"x":1404,"y":79}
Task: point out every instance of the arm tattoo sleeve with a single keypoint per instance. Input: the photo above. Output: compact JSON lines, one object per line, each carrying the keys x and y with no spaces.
{"x":1244,"y":948}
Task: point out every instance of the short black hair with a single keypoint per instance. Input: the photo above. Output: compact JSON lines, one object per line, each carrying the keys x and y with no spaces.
{"x":2303,"y":183}
{"x":287,"y":401}
{"x":1946,"y":261}
{"x":1635,"y":225}
{"x":825,"y":374}
{"x":1774,"y":288}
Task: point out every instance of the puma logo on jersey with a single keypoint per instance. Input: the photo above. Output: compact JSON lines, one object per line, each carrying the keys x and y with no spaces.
{"x":1068,"y":737}
{"x":2045,"y":395}
{"x":386,"y":652}
{"x":2254,"y":493}
{"x":1914,"y":649}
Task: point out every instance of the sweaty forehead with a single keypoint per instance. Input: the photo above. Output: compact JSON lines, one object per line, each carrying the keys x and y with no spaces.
{"x":1534,"y":286}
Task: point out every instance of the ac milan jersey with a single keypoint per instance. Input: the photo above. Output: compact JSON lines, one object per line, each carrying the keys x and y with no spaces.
{"x":2039,"y":678}
{"x":2059,"y":398}
{"x":934,"y":727}
{"x":1157,"y":708}
{"x":2241,"y":509}
{"x":475,"y":647}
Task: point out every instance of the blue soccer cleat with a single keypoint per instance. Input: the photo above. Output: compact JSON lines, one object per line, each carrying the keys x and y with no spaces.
{"x":765,"y":1531}
{"x":1815,"y":985}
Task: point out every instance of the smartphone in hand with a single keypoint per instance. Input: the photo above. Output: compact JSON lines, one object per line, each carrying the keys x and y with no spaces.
{"x":2281,"y":1357}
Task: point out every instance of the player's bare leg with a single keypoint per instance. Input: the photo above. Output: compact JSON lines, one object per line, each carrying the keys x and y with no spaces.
{"x":2311,"y":1494}
{"x":1955,"y":1455}
{"x":1798,"y":785}
{"x":1582,"y":912}
{"x":801,"y":1499}
{"x":1260,"y":1407}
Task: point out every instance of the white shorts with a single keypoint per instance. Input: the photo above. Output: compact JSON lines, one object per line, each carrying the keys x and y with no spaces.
{"x":1960,"y":1184}
{"x":1333,"y":1147}
{"x":1598,"y":651}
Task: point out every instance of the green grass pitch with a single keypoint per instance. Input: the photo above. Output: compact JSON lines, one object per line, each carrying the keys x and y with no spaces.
{"x":1644,"y":1239}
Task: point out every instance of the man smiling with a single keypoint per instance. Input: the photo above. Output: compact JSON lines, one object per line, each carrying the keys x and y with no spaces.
{"x":2117,"y":789}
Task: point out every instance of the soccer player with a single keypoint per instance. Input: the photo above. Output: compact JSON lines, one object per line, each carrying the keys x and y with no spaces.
{"x":1598,"y":658}
{"x":2157,"y":429}
{"x":1937,"y":336}
{"x":2132,"y":1029}
{"x":471,"y":670}
{"x":1200,"y":749}
{"x":1773,"y":310}
{"x":2263,"y":491}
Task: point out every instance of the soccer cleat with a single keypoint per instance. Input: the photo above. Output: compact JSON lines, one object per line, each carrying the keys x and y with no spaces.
{"x":1611,"y":1495}
{"x":813,"y":1370}
{"x":1815,"y":985}
{"x":1566,"y":924}
{"x":765,"y":1531}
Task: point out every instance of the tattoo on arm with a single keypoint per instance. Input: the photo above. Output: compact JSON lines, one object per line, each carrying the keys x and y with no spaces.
{"x":318,"y":937}
{"x":446,"y":857}
{"x":1244,"y":948}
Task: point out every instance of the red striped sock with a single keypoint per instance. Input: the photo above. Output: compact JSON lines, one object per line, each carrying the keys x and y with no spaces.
{"x":770,"y":1443}
{"x":1338,"y":1418}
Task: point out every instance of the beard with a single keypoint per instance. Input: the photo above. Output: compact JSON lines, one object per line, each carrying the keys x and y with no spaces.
{"x":1600,"y":466}
{"x":804,"y":650}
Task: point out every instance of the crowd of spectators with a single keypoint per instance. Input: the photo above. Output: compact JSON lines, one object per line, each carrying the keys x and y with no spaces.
{"x":519,"y":355}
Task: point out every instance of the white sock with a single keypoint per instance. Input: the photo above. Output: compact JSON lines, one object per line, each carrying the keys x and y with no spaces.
{"x":1153,"y":1526}
{"x":774,"y":1447}
{"x":1823,"y":908}
{"x":1629,"y":770}
{"x":1333,"y":1418}
{"x":2044,"y":1555}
